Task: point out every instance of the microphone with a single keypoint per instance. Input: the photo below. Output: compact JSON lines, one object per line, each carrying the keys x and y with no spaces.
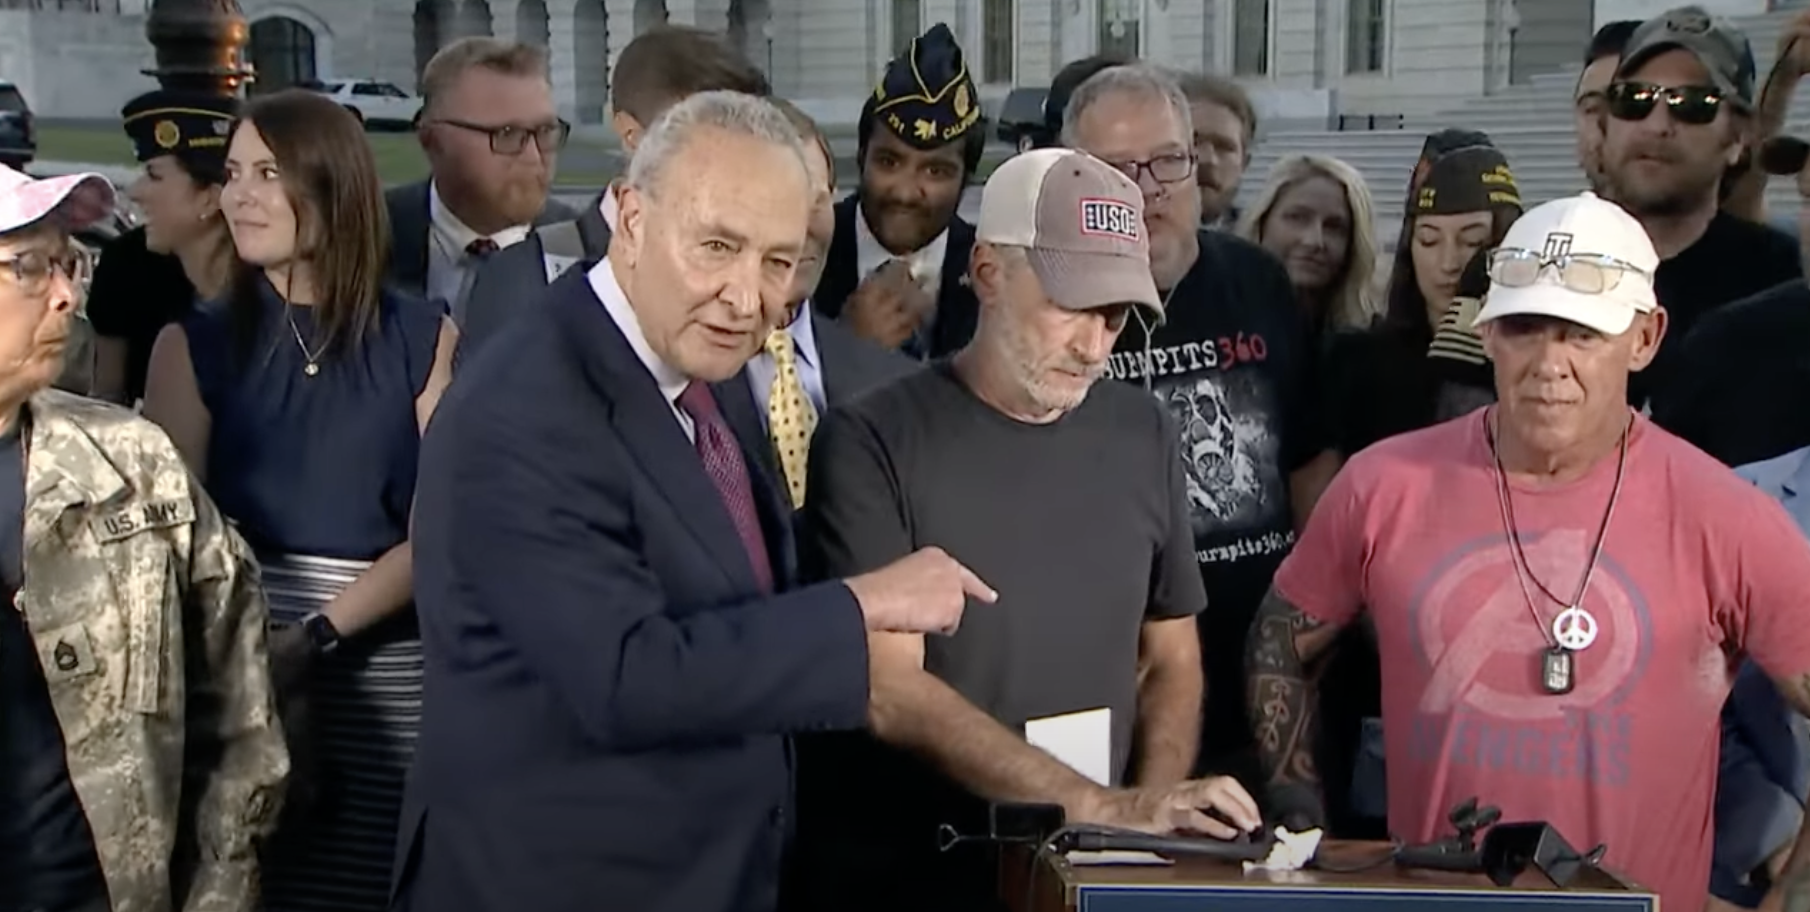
{"x":1110,"y":839}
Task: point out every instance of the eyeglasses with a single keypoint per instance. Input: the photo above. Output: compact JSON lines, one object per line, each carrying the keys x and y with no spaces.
{"x":1584,"y":273}
{"x":1695,"y":105}
{"x":32,"y":269}
{"x":511,"y":140}
{"x":1164,"y":169}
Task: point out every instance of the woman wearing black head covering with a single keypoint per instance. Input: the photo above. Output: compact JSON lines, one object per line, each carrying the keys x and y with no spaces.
{"x":151,"y":276}
{"x":1391,"y":378}
{"x":1420,"y":365}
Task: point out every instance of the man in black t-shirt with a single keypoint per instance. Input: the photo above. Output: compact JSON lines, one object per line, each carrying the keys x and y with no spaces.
{"x":1233,"y":363}
{"x":1747,"y":396}
{"x":1676,"y":113}
{"x":1066,"y":496}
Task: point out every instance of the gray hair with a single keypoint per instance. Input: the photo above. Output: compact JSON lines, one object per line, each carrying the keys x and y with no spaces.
{"x":731,"y":112}
{"x":1139,"y":80}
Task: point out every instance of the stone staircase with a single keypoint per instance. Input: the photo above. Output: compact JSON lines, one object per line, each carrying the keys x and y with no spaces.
{"x":1530,"y":122}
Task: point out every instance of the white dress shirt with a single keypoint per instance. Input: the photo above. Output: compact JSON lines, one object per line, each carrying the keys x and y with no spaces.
{"x":926,"y":262}
{"x":447,"y":261}
{"x":762,"y":370}
{"x":609,"y":206}
{"x":615,"y":302}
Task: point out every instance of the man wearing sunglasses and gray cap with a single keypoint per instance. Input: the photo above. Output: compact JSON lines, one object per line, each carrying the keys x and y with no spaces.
{"x":1675,"y":122}
{"x":1067,"y":493}
{"x":1557,"y":585}
{"x":143,"y":605}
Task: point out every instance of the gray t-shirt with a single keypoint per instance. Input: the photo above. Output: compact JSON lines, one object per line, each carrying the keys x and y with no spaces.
{"x":1082,"y":527}
{"x":1079,"y":524}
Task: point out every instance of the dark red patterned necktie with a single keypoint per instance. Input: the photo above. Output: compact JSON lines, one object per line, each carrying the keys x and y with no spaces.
{"x":481,"y":248}
{"x":722,"y":458}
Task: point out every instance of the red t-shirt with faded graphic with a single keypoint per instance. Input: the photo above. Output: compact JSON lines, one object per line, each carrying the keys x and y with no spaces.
{"x":1698,"y":567}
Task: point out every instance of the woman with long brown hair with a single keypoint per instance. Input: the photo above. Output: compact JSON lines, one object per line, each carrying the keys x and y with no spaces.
{"x":299,"y":399}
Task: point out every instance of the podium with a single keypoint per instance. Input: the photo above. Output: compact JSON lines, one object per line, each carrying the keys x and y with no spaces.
{"x":1049,"y":883}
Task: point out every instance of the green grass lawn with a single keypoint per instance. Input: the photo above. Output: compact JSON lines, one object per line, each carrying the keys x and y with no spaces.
{"x":399,"y":158}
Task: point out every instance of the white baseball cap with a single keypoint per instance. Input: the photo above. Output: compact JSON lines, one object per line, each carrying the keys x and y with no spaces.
{"x":1082,"y":221}
{"x":1584,"y":226}
{"x":78,"y":200}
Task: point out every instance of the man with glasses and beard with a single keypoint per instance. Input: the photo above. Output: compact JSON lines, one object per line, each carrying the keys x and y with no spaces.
{"x":658,"y":69}
{"x":1234,"y":363}
{"x":492,"y":139}
{"x":897,"y":270}
{"x":1677,"y":117}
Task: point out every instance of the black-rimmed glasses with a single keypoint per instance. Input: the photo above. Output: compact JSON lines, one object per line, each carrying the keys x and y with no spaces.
{"x":1164,"y":169}
{"x":1584,"y":273}
{"x":510,"y":139}
{"x":32,"y":269}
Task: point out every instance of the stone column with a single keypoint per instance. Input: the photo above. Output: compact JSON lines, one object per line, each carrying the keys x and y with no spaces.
{"x":562,"y":29}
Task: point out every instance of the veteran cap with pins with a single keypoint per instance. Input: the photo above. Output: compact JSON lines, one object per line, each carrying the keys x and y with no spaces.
{"x":193,"y":126}
{"x":926,"y":97}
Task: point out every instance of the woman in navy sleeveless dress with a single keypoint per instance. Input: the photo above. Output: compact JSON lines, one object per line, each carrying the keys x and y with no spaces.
{"x":299,"y":400}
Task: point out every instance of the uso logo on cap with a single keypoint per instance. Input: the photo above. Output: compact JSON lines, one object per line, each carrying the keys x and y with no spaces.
{"x":1112,"y":218}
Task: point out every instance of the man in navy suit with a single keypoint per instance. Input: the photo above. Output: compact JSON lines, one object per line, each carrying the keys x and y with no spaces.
{"x":614,"y":655}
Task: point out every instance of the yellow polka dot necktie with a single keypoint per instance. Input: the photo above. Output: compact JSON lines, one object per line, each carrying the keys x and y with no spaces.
{"x":790,"y":415}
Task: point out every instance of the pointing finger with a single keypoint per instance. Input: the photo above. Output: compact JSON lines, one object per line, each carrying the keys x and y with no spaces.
{"x":973,"y":585}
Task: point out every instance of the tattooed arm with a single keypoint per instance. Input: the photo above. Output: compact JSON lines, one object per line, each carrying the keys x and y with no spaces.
{"x":1283,"y":641}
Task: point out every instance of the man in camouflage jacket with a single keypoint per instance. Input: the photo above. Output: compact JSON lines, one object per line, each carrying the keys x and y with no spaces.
{"x":144,"y":605}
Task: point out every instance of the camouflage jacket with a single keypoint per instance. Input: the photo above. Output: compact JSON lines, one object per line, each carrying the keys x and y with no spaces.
{"x":148,"y":615}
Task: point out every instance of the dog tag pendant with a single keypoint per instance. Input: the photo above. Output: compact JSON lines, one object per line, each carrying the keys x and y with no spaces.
{"x":1556,"y":670}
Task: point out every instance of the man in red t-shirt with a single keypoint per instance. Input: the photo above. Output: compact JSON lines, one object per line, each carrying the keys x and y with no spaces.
{"x":1561,"y":590}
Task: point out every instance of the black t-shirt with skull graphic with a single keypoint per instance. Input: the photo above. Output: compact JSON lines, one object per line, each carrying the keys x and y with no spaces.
{"x":1234,"y":363}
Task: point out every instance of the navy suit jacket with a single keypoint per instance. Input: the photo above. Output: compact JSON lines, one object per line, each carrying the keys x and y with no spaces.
{"x":608,"y":695}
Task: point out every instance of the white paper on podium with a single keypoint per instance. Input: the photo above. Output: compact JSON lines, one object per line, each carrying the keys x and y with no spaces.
{"x":1083,"y":740}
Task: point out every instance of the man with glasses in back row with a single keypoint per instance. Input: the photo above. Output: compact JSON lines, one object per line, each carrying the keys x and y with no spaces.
{"x":492,"y":139}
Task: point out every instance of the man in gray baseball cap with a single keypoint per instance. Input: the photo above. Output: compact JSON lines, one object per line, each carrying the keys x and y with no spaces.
{"x":1071,"y":494}
{"x":1721,"y":48}
{"x":1678,"y":122}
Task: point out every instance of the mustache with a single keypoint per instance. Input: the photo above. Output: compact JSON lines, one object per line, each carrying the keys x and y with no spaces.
{"x":902,"y":207}
{"x":1655,"y":151}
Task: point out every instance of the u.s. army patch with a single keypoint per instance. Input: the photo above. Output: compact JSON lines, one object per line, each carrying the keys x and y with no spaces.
{"x":135,"y":518}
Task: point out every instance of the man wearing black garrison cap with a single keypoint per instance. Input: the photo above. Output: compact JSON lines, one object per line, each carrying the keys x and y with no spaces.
{"x":141,"y":282}
{"x":897,"y":269}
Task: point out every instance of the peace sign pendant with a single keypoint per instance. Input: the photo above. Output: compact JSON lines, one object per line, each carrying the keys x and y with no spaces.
{"x":1574,"y":629}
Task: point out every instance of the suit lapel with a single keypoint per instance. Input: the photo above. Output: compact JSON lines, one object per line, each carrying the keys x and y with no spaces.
{"x":412,"y":223}
{"x":831,"y":353}
{"x":841,"y":272}
{"x":957,"y":310}
{"x":645,"y":423}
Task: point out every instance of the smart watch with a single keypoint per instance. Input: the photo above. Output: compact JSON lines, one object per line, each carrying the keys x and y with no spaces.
{"x":321,"y":633}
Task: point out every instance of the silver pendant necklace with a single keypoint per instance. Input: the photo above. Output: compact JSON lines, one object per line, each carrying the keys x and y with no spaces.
{"x":1575,"y":628}
{"x":312,"y":366}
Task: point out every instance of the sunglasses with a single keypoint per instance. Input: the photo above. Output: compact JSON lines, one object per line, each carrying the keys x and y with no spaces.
{"x":1695,"y":105}
{"x":1584,"y":273}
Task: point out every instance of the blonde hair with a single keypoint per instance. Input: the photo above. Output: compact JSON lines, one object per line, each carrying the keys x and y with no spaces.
{"x":1353,"y":303}
{"x":510,"y":58}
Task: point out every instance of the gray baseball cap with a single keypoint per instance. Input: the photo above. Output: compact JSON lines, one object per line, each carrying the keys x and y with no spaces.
{"x":1081,"y":222}
{"x":1722,"y":49}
